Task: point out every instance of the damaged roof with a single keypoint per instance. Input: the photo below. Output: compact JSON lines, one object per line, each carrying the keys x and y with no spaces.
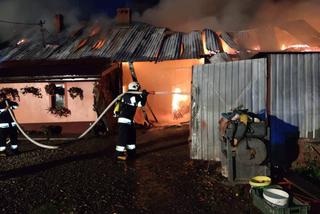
{"x":137,"y":42}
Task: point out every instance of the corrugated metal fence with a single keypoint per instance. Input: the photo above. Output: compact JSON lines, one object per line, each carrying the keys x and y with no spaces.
{"x":217,"y":88}
{"x":295,"y":90}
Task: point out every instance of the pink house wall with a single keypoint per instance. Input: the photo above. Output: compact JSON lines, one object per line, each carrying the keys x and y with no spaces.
{"x":34,"y":110}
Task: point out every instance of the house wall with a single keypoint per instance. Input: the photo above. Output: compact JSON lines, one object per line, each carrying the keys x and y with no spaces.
{"x":166,"y":76}
{"x":34,"y":110}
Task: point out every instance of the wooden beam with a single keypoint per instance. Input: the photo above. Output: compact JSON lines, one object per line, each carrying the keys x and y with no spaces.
{"x":304,"y":186}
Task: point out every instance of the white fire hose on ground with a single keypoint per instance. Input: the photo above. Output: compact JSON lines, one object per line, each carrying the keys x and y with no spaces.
{"x":24,"y":134}
{"x":92,"y":125}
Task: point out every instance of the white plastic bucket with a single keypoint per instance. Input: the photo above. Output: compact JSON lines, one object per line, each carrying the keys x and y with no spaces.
{"x":276,"y":197}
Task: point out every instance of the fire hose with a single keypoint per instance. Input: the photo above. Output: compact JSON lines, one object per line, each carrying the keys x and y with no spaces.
{"x":92,"y":125}
{"x":24,"y":134}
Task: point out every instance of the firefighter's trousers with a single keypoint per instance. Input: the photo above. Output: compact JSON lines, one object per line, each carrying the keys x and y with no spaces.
{"x":10,"y":132}
{"x":126,"y":139}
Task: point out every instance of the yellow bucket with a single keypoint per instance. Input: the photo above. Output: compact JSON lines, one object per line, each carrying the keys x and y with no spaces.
{"x":260,"y":181}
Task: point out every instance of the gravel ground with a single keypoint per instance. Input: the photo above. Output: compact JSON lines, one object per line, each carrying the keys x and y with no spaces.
{"x":84,"y":177}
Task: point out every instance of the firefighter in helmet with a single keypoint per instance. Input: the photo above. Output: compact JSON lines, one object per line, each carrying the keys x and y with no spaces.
{"x":125,"y":110}
{"x":8,"y":127}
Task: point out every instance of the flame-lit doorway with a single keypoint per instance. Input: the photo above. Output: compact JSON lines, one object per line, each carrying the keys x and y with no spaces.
{"x":170,"y":78}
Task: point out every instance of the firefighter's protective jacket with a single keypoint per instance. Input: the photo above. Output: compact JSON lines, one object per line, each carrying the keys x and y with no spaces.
{"x":5,"y":118}
{"x":128,"y":106}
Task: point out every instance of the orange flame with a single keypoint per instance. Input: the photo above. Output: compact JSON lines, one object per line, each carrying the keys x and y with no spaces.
{"x":299,"y":47}
{"x":21,"y":41}
{"x":206,"y":51}
{"x":257,"y":48}
{"x":227,"y":48}
{"x":179,"y":104}
{"x":99,"y":44}
{"x":95,"y":30}
{"x":82,"y":43}
{"x":203,"y":38}
{"x":181,"y":49}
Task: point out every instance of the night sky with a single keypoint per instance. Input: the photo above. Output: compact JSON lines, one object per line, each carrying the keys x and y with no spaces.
{"x":177,"y":15}
{"x":109,"y":6}
{"x":86,"y":8}
{"x":32,"y":11}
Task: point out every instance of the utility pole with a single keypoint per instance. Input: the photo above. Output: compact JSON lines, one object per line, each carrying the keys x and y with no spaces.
{"x":42,"y":30}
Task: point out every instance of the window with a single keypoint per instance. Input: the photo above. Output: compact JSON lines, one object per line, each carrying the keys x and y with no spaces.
{"x":57,"y":99}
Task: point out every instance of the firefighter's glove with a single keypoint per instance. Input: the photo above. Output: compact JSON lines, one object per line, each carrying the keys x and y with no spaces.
{"x":145,"y":93}
{"x":115,"y":114}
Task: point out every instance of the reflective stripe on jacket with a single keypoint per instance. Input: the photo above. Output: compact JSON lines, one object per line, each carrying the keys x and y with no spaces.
{"x":7,"y":125}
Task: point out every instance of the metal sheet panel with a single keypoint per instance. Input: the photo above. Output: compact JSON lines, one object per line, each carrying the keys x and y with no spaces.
{"x":295,"y":90}
{"x":171,"y":47}
{"x":212,"y":40}
{"x":229,"y":40}
{"x":150,"y":45}
{"x":217,"y":88}
{"x":192,"y":45}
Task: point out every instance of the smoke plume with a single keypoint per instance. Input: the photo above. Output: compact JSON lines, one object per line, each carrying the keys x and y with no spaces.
{"x":228,"y":15}
{"x":32,"y":12}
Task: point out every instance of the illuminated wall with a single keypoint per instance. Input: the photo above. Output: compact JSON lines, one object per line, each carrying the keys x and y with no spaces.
{"x":34,"y":110}
{"x":168,"y":76}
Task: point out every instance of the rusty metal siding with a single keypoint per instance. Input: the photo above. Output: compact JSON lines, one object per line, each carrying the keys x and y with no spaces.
{"x":217,"y":88}
{"x":295,"y":91}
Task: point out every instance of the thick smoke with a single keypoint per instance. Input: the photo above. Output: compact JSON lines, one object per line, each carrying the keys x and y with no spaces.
{"x":32,"y":11}
{"x":229,"y":15}
{"x":281,"y":11}
{"x":178,"y":15}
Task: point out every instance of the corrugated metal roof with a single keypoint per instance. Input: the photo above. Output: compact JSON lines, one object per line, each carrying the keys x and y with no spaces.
{"x":137,"y":42}
{"x":171,"y":47}
{"x":192,"y":45}
{"x":229,"y":40}
{"x":150,"y":45}
{"x":295,"y":91}
{"x":132,"y":42}
{"x":212,"y":40}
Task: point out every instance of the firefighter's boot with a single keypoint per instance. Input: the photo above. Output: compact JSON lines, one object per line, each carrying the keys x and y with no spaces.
{"x":14,"y":149}
{"x":3,"y":152}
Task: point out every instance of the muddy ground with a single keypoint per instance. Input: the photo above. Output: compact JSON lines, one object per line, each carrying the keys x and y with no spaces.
{"x":83,"y":177}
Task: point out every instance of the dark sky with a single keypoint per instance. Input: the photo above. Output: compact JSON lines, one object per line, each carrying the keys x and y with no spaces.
{"x":86,"y":7}
{"x":178,"y":15}
{"x":32,"y":11}
{"x":108,"y":7}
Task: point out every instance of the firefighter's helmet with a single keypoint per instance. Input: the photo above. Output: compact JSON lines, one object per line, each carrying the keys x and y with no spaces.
{"x":133,"y":86}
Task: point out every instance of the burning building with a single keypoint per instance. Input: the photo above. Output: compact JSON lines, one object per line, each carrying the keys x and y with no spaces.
{"x":162,"y":61}
{"x":291,"y":36}
{"x":278,"y":77}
